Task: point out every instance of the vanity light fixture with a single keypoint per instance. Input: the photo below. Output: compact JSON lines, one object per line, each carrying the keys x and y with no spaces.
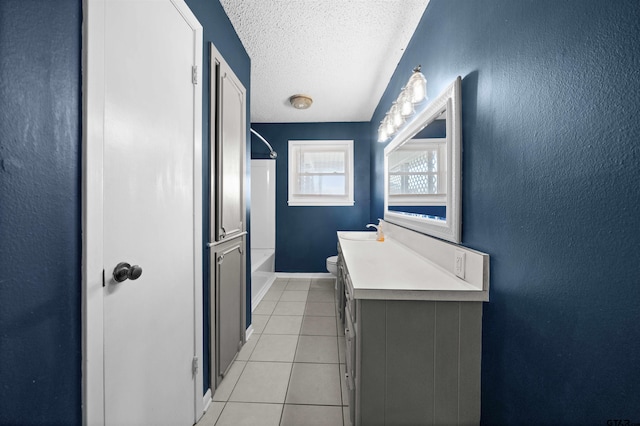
{"x":413,"y":93}
{"x":300,"y":101}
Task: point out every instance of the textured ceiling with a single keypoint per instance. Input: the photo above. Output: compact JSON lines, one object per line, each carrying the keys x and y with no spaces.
{"x":342,"y":53}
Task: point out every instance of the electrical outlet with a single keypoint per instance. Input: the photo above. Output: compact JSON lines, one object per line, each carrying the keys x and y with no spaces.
{"x":459,"y":263}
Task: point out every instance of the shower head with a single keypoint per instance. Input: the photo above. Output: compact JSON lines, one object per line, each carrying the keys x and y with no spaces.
{"x":273,"y":155}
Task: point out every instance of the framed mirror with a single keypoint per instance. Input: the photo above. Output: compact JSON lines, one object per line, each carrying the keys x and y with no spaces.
{"x":422,"y":169}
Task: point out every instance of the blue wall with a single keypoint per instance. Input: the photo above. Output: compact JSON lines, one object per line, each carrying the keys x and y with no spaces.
{"x":306,"y":236}
{"x":551,"y":93}
{"x":217,"y":29}
{"x":550,"y":105}
{"x":40,"y":219}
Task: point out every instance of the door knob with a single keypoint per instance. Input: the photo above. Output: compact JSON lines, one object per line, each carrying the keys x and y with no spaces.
{"x":124,"y":271}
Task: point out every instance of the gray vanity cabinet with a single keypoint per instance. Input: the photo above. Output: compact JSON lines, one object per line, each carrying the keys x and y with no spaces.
{"x":413,"y":362}
{"x":227,"y":297}
{"x":340,"y":287}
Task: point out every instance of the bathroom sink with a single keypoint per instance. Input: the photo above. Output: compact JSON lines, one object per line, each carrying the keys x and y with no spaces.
{"x":358,"y":235}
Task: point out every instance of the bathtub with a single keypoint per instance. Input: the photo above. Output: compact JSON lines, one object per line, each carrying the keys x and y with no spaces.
{"x":262,"y":274}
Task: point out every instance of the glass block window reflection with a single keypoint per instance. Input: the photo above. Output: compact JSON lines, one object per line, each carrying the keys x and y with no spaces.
{"x":321,"y":173}
{"x":416,"y":173}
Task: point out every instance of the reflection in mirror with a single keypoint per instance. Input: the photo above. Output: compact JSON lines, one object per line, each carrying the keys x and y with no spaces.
{"x":418,"y":174}
{"x":422,"y":170}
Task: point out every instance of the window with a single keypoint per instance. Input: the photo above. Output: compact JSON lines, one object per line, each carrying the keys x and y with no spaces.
{"x":321,"y":173}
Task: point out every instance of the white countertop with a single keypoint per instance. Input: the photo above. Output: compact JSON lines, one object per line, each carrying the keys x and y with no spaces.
{"x":390,"y":270}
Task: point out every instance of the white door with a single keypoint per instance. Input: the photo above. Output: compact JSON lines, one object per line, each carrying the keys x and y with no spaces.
{"x":148,"y":205}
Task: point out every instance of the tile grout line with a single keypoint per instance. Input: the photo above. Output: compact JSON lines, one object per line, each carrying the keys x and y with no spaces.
{"x":265,"y":326}
{"x":284,"y":403}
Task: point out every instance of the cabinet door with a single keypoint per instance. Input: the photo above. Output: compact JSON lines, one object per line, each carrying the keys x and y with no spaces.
{"x":228,"y":138}
{"x":350,"y":340}
{"x":340,"y":291}
{"x":229,"y":281}
{"x":351,"y":397}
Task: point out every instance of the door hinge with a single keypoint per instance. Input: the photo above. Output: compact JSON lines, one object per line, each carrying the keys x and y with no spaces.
{"x":194,"y":365}
{"x":194,"y":74}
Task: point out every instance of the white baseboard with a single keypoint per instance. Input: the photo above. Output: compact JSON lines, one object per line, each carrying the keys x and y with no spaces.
{"x":256,"y":300}
{"x":248,"y":332}
{"x":206,"y":400}
{"x":304,"y":275}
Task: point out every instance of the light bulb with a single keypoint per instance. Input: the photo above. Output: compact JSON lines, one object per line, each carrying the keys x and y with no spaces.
{"x":397,"y":118}
{"x":405,"y":105}
{"x":389,"y":127}
{"x":417,"y":86}
{"x":382,"y":133}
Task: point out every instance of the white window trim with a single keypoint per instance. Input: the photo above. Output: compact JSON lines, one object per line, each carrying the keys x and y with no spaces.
{"x":345,"y":146}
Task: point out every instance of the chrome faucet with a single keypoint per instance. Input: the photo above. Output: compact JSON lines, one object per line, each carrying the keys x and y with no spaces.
{"x":378,"y":228}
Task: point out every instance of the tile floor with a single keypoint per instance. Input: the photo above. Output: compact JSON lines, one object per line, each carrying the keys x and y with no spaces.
{"x":291,"y":370}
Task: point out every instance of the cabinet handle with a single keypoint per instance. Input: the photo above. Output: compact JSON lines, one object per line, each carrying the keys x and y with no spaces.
{"x":347,"y":378}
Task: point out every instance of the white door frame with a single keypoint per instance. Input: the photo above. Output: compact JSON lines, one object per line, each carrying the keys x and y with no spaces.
{"x":93,"y":409}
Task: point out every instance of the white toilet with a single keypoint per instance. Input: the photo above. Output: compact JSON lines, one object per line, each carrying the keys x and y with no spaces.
{"x":332,"y":265}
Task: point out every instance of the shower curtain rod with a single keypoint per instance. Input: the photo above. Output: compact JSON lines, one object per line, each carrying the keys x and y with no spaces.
{"x":272,"y":153}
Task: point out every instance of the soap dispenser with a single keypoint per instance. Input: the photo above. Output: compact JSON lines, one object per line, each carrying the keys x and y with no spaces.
{"x":379,"y":233}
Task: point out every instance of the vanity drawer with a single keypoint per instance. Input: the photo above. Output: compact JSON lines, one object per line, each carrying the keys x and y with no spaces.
{"x":351,"y":393}
{"x":350,"y":355}
{"x":340,"y":291}
{"x":350,"y":302}
{"x":350,"y":347}
{"x":341,"y":260}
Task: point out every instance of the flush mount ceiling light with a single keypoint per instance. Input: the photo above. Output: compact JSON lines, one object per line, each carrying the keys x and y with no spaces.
{"x":300,"y":101}
{"x":413,"y":93}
